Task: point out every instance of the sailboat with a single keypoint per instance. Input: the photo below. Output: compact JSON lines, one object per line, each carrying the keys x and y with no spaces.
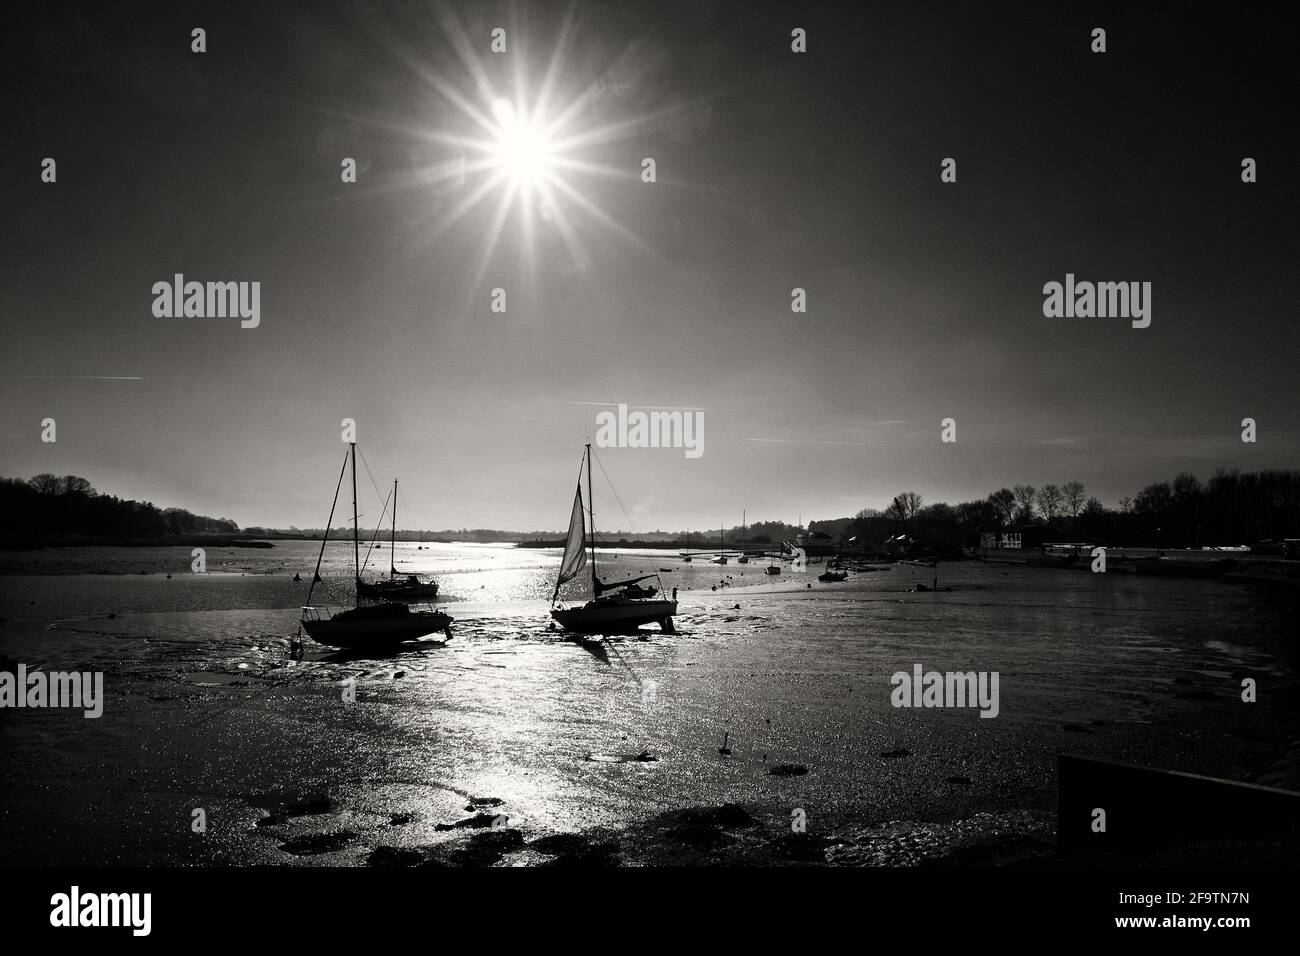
{"x":616,"y":608}
{"x":774,"y":561}
{"x":686,"y":555}
{"x":364,"y":627}
{"x":411,"y":588}
{"x":744,"y":558}
{"x":722,"y":557}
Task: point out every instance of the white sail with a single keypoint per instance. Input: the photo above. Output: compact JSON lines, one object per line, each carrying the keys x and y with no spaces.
{"x":575,"y":552}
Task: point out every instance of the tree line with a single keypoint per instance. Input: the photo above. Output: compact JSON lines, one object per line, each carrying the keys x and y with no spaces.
{"x":1231,"y":508}
{"x":53,"y":506}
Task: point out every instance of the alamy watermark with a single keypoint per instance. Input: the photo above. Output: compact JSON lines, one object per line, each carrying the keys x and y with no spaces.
{"x":1102,"y":300}
{"x":652,"y":428}
{"x":75,"y":908}
{"x":82,"y":690}
{"x":923,"y":688}
{"x":208,"y":300}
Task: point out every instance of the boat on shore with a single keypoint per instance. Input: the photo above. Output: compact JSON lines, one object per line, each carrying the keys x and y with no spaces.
{"x":722,"y":555}
{"x":620,"y":607}
{"x":364,"y":626}
{"x":408,"y":588}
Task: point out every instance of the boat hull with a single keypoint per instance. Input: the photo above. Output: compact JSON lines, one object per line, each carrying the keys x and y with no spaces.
{"x":615,"y":617}
{"x":360,"y":631}
{"x":397,"y":591}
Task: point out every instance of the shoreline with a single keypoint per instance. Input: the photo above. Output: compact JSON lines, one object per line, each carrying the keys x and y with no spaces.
{"x":511,"y":719}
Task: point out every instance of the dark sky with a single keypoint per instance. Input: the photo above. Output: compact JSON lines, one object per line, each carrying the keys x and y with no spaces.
{"x":775,"y":170}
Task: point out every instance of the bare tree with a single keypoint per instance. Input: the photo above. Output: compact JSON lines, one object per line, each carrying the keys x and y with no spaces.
{"x":46,"y":484}
{"x":1049,"y":501}
{"x":903,"y":509}
{"x":1074,"y":497}
{"x":1004,"y":503}
{"x":76,"y":485}
{"x":1025,"y":499}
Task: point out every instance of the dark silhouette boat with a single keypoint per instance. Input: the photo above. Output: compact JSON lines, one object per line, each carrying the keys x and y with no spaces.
{"x":365,"y":626}
{"x":409,"y":587}
{"x":618,"y":608}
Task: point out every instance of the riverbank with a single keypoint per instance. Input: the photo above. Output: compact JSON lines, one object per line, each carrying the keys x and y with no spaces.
{"x":612,"y":751}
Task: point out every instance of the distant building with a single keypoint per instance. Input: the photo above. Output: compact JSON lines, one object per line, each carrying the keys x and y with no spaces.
{"x":816,"y":543}
{"x":898,"y":544}
{"x":1016,"y":539}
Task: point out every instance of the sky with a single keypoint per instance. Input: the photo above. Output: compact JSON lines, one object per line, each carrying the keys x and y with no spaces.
{"x":774,"y":170}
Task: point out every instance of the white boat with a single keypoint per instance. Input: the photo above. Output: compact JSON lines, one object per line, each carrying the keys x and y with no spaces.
{"x":370,"y":626}
{"x":617,"y":608}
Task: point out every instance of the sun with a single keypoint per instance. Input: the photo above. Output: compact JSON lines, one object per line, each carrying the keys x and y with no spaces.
{"x":528,"y":144}
{"x":523,"y":152}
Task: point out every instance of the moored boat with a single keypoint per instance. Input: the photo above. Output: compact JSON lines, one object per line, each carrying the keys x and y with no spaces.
{"x":411,"y":587}
{"x":620,"y":607}
{"x":365,"y":627}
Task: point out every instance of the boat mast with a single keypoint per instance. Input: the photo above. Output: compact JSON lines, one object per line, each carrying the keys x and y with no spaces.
{"x":591,"y":514}
{"x":392,"y":568}
{"x":326,"y":536}
{"x":356,"y":544}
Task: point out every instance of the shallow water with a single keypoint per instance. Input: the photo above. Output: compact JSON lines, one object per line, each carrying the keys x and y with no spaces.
{"x":205,"y":709}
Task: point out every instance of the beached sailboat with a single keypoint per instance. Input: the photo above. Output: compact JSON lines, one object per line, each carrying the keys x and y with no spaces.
{"x":364,"y":627}
{"x":411,"y":587}
{"x":773,"y":563}
{"x":722,"y":557}
{"x":617,"y":608}
{"x":744,"y":558}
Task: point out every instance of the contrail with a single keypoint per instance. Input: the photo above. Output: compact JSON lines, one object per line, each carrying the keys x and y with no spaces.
{"x":813,"y":441}
{"x":663,"y":408}
{"x":103,"y":378}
